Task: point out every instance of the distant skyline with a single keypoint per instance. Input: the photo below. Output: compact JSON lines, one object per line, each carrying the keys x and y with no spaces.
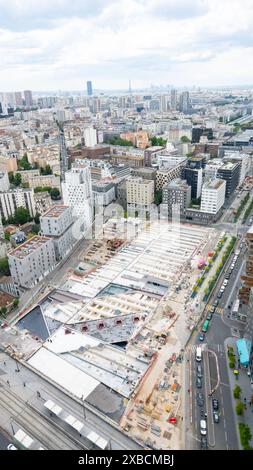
{"x":58,"y":45}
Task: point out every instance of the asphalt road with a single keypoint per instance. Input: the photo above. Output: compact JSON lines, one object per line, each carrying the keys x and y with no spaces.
{"x":222,"y":435}
{"x":4,"y":441}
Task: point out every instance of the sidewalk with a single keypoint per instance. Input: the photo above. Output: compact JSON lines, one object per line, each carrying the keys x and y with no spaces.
{"x":247,"y":391}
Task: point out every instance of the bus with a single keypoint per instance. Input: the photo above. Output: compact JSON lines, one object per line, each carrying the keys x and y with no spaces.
{"x":205,"y":326}
{"x":198,"y":354}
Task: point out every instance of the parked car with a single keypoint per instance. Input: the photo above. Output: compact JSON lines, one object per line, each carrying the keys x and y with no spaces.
{"x":203,"y":427}
{"x":203,"y":443}
{"x":198,"y":382}
{"x":225,"y":283}
{"x":201,"y":336}
{"x":212,"y":309}
{"x":219,"y":295}
{"x":216,"y":417}
{"x":216,"y":303}
{"x":215,"y":403}
{"x":209,"y":316}
{"x":199,"y":371}
{"x":200,"y":399}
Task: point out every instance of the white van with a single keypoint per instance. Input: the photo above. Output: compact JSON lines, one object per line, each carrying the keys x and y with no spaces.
{"x":203,"y":429}
{"x":198,"y":354}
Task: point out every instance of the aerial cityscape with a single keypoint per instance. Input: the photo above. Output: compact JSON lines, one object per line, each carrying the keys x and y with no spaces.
{"x":126,"y":225}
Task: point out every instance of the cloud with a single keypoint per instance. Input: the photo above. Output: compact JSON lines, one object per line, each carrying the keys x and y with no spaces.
{"x":47,"y":44}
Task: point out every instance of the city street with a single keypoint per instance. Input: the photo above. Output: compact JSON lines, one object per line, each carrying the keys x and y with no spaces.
{"x":222,"y":435}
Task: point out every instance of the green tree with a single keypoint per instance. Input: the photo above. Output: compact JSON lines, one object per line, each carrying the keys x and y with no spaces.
{"x":239,"y":408}
{"x":37,"y":219}
{"x":35,"y":229}
{"x":4,"y":267}
{"x":21,"y":216}
{"x":184,"y":139}
{"x":119,"y":141}
{"x":11,"y":177}
{"x":3,"y":311}
{"x":24,"y":164}
{"x":158,"y":141}
{"x":55,"y":194}
{"x":47,"y":170}
{"x":42,"y":189}
{"x":15,"y":302}
{"x":17,"y":179}
{"x":158,"y":197}
{"x":237,"y":392}
{"x":245,"y":436}
{"x":7,"y":235}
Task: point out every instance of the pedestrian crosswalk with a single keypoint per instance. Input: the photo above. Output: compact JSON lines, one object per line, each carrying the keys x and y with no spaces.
{"x":219,"y":310}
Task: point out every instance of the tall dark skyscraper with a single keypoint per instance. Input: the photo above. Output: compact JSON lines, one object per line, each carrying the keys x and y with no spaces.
{"x":28,"y":98}
{"x":89,"y":88}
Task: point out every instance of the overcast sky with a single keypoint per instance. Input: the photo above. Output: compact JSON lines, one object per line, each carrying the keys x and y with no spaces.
{"x":59,"y":44}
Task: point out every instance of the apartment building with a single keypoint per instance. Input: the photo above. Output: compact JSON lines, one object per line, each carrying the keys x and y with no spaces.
{"x":32,"y":261}
{"x":166,"y":175}
{"x":177,"y":192}
{"x":12,"y":199}
{"x":140,"y":192}
{"x":57,"y":223}
{"x":8,"y":163}
{"x":4,"y":181}
{"x":27,"y":174}
{"x":44,"y":181}
{"x":213,"y":196}
{"x":103,"y":193}
{"x":77,"y":192}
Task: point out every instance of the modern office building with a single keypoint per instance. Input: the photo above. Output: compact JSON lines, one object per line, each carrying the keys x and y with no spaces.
{"x":193,"y":176}
{"x":230,"y":172}
{"x":12,"y":199}
{"x":213,"y":196}
{"x":173,"y":100}
{"x":77,"y":192}
{"x":18,"y":99}
{"x":28,"y":98}
{"x":177,"y":192}
{"x":198,"y":132}
{"x":89,"y":88}
{"x":32,"y":261}
{"x":184,"y":102}
{"x":57,"y":223}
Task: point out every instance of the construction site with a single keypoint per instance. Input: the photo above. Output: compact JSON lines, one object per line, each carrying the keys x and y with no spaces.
{"x":114,"y":330}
